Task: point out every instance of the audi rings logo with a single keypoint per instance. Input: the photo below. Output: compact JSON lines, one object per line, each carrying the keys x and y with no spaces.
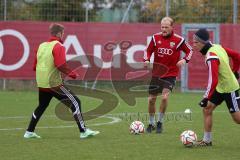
{"x":25,"y":55}
{"x":165,"y":51}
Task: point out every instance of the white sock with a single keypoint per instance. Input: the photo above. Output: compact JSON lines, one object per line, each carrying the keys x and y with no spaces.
{"x":207,"y":137}
{"x":160,"y":117}
{"x":151,"y":120}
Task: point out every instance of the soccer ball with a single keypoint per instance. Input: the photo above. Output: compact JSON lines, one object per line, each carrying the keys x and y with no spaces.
{"x":137,"y":127}
{"x":188,"y":138}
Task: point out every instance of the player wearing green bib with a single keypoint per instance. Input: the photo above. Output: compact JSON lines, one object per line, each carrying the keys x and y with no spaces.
{"x":222,"y":81}
{"x":50,"y":62}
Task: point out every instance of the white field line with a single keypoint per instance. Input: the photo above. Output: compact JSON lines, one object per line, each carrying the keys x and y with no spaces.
{"x":23,"y":117}
{"x":113,"y":121}
{"x":104,"y":116}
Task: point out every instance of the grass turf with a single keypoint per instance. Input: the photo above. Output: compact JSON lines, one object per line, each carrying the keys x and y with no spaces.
{"x":60,"y":139}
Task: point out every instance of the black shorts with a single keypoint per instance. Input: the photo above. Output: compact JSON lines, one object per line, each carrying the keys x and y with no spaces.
{"x":158,"y":84}
{"x":232,"y":100}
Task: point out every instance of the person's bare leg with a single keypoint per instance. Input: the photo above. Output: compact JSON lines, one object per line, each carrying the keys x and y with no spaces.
{"x":162,"y":109}
{"x":236,"y":117}
{"x":208,"y":123}
{"x":151,"y":108}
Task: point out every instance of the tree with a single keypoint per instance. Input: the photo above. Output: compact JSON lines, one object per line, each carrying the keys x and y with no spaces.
{"x":153,"y":11}
{"x":19,"y":10}
{"x":189,"y":11}
{"x":64,"y":10}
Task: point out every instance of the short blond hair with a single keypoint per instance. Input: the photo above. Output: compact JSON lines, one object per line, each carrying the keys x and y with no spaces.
{"x":55,"y":28}
{"x":169,"y":19}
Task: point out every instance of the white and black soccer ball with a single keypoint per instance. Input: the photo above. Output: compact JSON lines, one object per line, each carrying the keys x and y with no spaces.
{"x":188,"y":138}
{"x":136,"y":127}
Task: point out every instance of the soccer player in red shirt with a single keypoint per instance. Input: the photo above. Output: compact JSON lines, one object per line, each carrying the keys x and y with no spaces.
{"x":50,"y":62}
{"x":222,"y":81}
{"x":166,"y":47}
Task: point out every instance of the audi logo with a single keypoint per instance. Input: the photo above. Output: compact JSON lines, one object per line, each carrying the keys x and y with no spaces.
{"x":165,"y":51}
{"x":23,"y":40}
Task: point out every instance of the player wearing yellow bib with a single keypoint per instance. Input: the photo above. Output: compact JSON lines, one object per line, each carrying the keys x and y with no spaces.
{"x":222,"y":81}
{"x":50,"y":62}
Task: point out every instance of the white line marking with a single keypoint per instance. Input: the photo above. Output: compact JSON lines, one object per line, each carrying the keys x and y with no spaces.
{"x":114,"y":120}
{"x":115,"y":114}
{"x":23,"y":117}
{"x":110,"y":116}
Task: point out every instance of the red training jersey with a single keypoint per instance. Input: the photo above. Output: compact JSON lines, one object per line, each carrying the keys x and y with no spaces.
{"x":166,"y":52}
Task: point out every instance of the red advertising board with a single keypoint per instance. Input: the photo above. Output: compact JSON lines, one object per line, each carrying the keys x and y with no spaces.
{"x":19,"y":40}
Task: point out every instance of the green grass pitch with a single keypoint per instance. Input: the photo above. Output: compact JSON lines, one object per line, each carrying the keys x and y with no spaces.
{"x":60,"y":139}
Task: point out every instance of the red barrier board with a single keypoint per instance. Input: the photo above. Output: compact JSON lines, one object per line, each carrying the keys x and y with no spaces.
{"x":19,"y":40}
